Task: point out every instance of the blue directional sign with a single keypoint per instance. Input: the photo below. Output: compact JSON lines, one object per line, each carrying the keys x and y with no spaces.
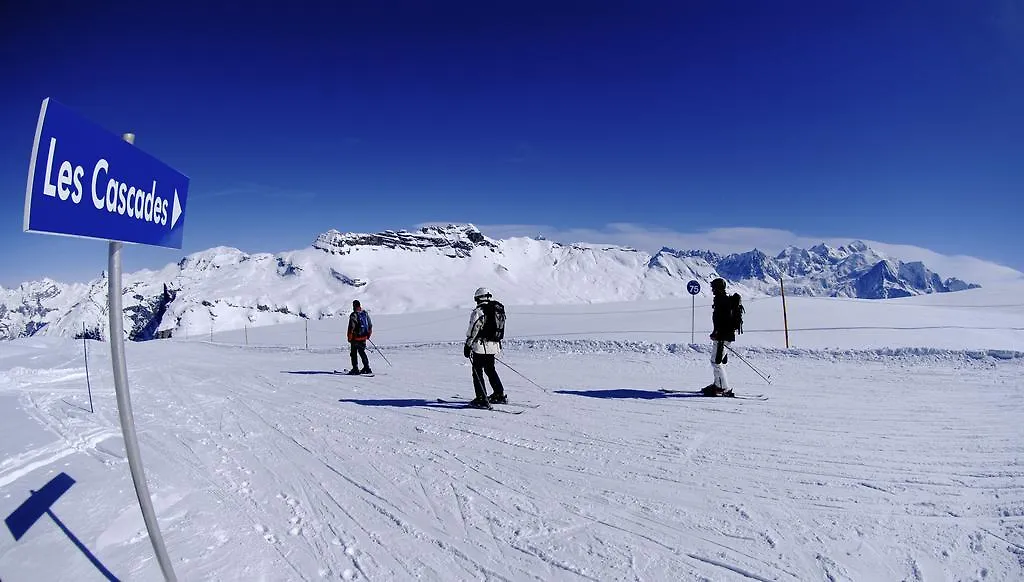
{"x":693,"y":287}
{"x":85,"y":181}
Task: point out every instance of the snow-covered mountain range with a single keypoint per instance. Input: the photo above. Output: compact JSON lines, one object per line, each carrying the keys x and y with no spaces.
{"x":435,"y":267}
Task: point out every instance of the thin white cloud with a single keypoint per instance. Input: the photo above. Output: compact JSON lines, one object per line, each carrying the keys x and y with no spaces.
{"x":252,"y":190}
{"x":768,"y":240}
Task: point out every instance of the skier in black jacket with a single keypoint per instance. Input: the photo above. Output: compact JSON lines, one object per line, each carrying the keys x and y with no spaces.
{"x":360,"y":328}
{"x":723,"y":334}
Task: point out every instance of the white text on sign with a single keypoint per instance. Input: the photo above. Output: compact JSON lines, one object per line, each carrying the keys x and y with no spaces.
{"x":118,"y":197}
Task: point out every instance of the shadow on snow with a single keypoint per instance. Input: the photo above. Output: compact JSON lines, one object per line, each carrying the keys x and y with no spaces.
{"x":403,"y":402}
{"x":310,"y":372}
{"x":629,"y":393}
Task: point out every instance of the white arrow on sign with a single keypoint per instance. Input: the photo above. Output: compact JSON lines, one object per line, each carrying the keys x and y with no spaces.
{"x":176,"y":211}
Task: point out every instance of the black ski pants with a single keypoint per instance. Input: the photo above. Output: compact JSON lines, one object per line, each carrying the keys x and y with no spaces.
{"x":358,"y":348}
{"x":483,"y":364}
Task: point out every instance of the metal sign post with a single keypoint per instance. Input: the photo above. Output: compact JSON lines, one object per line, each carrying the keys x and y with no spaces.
{"x":90,"y":183}
{"x":694,"y":288}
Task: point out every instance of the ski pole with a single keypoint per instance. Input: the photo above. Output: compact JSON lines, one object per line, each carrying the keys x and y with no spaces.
{"x":744,"y":360}
{"x":380,"y":352}
{"x":523,"y":377}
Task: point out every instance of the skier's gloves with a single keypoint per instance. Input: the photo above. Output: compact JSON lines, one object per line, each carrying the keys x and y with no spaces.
{"x":467,"y":351}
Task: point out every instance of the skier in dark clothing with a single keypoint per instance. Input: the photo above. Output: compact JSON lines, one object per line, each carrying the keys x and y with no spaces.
{"x":360,"y":328}
{"x":483,"y":343}
{"x":723,"y":334}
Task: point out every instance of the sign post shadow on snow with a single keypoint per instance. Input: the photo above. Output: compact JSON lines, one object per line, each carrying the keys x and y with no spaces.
{"x":37,"y":505}
{"x":693,"y":287}
{"x":86,"y":182}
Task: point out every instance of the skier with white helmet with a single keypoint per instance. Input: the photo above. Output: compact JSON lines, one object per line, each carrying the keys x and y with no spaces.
{"x":483,"y":343}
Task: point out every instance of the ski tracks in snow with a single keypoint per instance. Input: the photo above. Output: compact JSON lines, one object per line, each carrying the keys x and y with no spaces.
{"x":40,"y":393}
{"x":854,"y":470}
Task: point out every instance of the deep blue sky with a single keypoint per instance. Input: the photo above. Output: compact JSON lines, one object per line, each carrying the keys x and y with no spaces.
{"x":900,"y":122}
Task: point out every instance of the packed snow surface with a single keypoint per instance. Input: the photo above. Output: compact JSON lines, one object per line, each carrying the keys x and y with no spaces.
{"x":889,"y":448}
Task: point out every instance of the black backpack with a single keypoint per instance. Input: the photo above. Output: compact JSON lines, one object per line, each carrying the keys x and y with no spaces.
{"x":494,"y":321}
{"x":736,"y":312}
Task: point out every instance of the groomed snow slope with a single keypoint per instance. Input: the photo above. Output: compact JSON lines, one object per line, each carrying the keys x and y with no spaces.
{"x":896,"y":456}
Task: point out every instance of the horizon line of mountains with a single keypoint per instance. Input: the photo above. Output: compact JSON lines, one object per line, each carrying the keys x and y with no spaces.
{"x":401,"y":271}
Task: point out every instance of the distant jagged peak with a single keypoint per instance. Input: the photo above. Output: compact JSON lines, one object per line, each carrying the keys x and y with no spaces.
{"x":889,"y":266}
{"x":822,"y":249}
{"x":797,"y":255}
{"x":856,"y":246}
{"x":44,"y":282}
{"x":675,"y":261}
{"x":42,"y":288}
{"x":458,"y":237}
{"x":831,"y":253}
{"x":467,"y":230}
{"x":915,"y":267}
{"x":882,"y":281}
{"x":754,"y":253}
{"x":708,"y":255}
{"x":793,"y":251}
{"x":956,"y":284}
{"x":599,"y":247}
{"x":213,"y":257}
{"x":752,"y":264}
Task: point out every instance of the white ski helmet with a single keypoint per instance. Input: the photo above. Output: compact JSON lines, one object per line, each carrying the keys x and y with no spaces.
{"x":482,"y":293}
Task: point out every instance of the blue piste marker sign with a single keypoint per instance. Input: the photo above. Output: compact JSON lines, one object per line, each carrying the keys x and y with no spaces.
{"x":87,"y":182}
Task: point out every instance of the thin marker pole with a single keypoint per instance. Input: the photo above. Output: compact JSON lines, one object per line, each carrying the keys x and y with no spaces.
{"x":85,"y":349}
{"x":693,"y":315}
{"x":785,"y":321}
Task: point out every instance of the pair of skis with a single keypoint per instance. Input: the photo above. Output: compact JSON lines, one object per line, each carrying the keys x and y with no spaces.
{"x":681,"y":393}
{"x":519,"y":407}
{"x":696,"y":393}
{"x":340,"y":373}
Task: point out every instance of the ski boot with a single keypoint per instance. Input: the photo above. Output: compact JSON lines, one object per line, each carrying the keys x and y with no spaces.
{"x":712,"y":390}
{"x":479,"y":403}
{"x":498,"y":398}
